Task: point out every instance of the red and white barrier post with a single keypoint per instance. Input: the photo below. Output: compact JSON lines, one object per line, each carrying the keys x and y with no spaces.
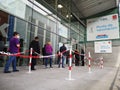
{"x":89,"y":62}
{"x":30,"y":61}
{"x":101,"y":62}
{"x":70,"y":64}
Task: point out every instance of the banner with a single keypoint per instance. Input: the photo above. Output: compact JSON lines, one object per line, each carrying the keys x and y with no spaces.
{"x":103,"y":28}
{"x":103,"y":47}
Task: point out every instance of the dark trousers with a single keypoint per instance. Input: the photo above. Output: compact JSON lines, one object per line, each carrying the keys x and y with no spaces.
{"x":33,"y":62}
{"x":43,"y":61}
{"x":12,"y":59}
{"x":82,"y":60}
{"x":76,"y":62}
{"x":46,"y":60}
{"x":62,"y":62}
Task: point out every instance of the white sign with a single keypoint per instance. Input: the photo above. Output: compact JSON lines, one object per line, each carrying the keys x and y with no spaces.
{"x":103,"y":47}
{"x":103,"y":28}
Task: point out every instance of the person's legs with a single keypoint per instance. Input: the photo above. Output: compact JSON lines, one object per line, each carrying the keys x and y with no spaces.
{"x":63,"y":58}
{"x":75,"y":62}
{"x":14,"y":63}
{"x":46,"y":62}
{"x":33,"y":64}
{"x":51,"y":62}
{"x":78,"y":62}
{"x":43,"y":61}
{"x":59,"y":61}
{"x":8,"y":62}
{"x":82,"y":60}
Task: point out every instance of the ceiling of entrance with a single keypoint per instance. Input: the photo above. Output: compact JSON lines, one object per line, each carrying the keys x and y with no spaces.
{"x":85,"y":8}
{"x":92,"y":7}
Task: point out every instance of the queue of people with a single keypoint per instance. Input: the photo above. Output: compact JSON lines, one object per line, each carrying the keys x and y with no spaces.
{"x":47,"y":50}
{"x":78,"y":58}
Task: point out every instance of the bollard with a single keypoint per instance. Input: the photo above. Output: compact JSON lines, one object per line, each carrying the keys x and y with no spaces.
{"x":70,"y":65}
{"x":30,"y":60}
{"x":101,"y":62}
{"x":89,"y":62}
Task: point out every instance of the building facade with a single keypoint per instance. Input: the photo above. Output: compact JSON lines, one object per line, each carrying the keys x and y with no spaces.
{"x":30,"y":19}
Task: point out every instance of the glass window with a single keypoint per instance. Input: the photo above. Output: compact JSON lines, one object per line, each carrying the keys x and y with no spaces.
{"x":21,"y":27}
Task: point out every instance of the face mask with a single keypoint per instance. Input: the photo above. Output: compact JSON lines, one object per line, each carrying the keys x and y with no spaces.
{"x":18,"y":36}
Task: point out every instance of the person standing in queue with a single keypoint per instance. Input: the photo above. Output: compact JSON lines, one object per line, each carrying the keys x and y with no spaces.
{"x":49,"y":51}
{"x":36,"y":49}
{"x":63,"y":51}
{"x":77,"y":58}
{"x":82,"y":57}
{"x":13,"y":49}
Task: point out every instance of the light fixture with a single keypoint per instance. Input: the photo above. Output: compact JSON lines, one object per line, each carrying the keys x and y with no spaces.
{"x":60,"y":6}
{"x":67,"y":16}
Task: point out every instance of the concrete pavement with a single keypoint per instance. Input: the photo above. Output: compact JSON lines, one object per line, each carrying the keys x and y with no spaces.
{"x":107,"y":78}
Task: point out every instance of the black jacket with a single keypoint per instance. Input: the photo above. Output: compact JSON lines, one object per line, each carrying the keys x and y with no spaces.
{"x":63,"y":49}
{"x":35,"y":45}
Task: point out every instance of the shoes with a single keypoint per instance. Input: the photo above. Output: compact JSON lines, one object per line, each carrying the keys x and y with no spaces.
{"x":51,"y":67}
{"x":7,"y":71}
{"x":63,"y":67}
{"x":15,"y":70}
{"x":10,"y":71}
{"x":33,"y":69}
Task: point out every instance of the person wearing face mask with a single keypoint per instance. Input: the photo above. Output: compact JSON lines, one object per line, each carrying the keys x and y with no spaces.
{"x":13,"y":49}
{"x":36,"y":49}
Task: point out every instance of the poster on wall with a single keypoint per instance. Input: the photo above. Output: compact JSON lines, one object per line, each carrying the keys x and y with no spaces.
{"x":103,"y":47}
{"x":102,"y":28}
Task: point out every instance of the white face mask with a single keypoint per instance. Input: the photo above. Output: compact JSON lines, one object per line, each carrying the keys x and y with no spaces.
{"x":18,"y":36}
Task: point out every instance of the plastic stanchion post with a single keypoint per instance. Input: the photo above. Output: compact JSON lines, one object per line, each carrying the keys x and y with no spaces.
{"x":30,"y":62}
{"x":101,"y":62}
{"x":70,"y":65}
{"x":89,"y":62}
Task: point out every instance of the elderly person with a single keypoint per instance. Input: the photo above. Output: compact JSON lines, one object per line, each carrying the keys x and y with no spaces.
{"x":49,"y":51}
